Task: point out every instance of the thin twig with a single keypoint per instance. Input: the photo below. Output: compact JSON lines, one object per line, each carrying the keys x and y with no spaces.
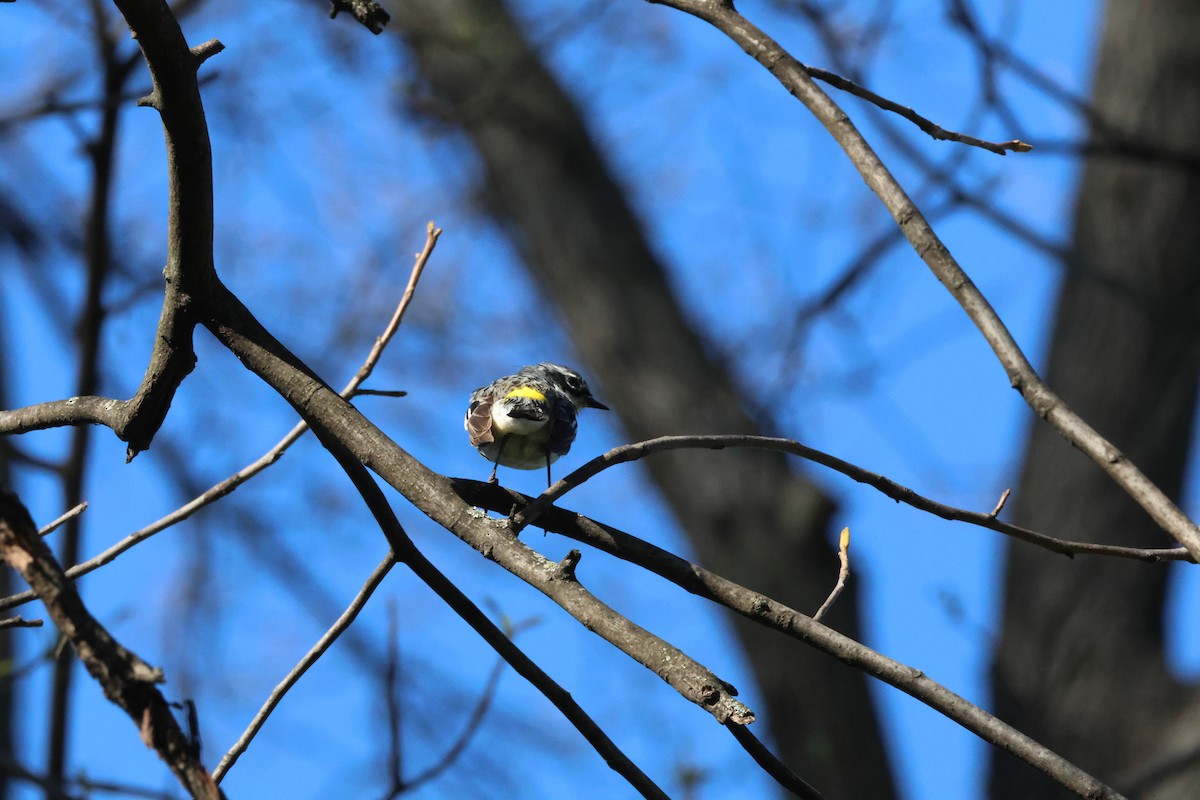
{"x":843,"y":574}
{"x":459,"y":746}
{"x":934,"y":130}
{"x":315,"y":652}
{"x":50,"y":527}
{"x":1000,"y":504}
{"x":432,"y":233}
{"x":771,"y":764}
{"x":474,"y":721}
{"x":20,"y":622}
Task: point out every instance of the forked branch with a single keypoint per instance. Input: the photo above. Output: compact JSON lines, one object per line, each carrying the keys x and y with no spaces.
{"x":1045,"y":403}
{"x":775,"y":615}
{"x":901,"y":494}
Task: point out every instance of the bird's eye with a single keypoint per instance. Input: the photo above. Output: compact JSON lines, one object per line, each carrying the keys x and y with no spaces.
{"x":575,"y":383}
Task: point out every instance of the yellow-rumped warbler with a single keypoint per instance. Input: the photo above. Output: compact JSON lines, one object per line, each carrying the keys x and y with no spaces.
{"x":526,"y":420}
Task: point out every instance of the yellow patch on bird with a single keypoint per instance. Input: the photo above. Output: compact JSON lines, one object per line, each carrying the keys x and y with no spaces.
{"x":527,"y":391}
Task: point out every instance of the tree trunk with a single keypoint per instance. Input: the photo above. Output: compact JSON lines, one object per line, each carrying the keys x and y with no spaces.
{"x":749,"y":515}
{"x":1081,"y":664}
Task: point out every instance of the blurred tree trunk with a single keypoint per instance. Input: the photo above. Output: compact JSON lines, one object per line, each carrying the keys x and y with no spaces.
{"x":749,"y":515}
{"x":1081,"y":663}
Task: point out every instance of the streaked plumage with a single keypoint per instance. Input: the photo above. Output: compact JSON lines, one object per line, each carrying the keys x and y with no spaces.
{"x":528,"y":420}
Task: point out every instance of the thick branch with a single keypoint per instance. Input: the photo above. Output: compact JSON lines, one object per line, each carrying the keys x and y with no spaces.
{"x":331,"y":417}
{"x":777,"y":616}
{"x":189,"y":265}
{"x":235,"y":480}
{"x":126,"y":680}
{"x":407,"y":552}
{"x":90,"y":410}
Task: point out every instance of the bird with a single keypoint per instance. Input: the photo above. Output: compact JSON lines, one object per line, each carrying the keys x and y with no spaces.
{"x":528,"y":419}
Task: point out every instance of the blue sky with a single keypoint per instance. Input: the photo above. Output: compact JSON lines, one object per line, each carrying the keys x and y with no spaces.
{"x":322,"y":193}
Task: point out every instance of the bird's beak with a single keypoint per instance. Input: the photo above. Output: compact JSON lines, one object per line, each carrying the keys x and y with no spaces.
{"x":592,"y":402}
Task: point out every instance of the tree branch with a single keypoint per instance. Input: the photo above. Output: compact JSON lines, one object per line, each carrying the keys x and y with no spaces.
{"x":406,"y":551}
{"x":332,"y":418}
{"x":231,"y":483}
{"x":771,"y":765}
{"x":323,"y":644}
{"x":901,"y":494}
{"x":795,"y":78}
{"x":173,"y":68}
{"x":775,"y":615}
{"x":934,"y":130}
{"x":126,"y":680}
{"x":52,"y":526}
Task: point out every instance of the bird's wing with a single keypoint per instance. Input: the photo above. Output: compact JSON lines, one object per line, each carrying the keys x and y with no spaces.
{"x":562,"y":429}
{"x":479,"y":423}
{"x":526,"y":408}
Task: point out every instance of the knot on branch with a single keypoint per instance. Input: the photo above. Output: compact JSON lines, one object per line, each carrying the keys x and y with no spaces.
{"x":206,"y":50}
{"x":565,"y":569}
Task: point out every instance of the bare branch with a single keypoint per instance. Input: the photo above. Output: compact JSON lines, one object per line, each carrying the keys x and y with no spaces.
{"x":324,"y":643}
{"x":995,"y":512}
{"x":20,"y":622}
{"x":126,"y":680}
{"x":90,"y":410}
{"x":381,"y":393}
{"x":414,"y":559}
{"x":777,"y":616}
{"x":843,"y":574}
{"x":231,"y":483}
{"x":782,"y":774}
{"x":936,"y":131}
{"x":1047,"y":405}
{"x":50,"y":527}
{"x":337,"y":422}
{"x":189,"y":266}
{"x":432,"y":234}
{"x":899,"y":493}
